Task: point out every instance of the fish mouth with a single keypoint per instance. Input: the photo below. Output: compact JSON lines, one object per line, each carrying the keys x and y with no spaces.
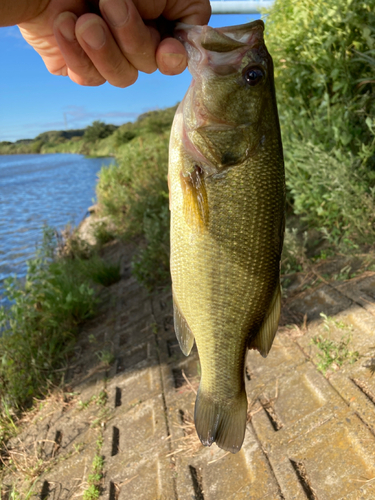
{"x":208,"y":38}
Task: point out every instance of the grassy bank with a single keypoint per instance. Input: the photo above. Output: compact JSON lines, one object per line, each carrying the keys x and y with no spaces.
{"x":62,"y":290}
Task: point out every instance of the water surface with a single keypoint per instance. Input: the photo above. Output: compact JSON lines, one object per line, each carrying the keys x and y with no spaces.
{"x":53,"y":189}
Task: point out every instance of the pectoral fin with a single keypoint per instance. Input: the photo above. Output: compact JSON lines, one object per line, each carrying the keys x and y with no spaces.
{"x":195,"y":204}
{"x":264,"y":338}
{"x":183,"y":333}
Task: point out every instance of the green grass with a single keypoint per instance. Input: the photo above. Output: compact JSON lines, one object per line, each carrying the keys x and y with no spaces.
{"x":30,"y":492}
{"x":102,"y":233}
{"x":332,"y":353}
{"x":98,"y":270}
{"x":95,"y":477}
{"x":41,"y":324}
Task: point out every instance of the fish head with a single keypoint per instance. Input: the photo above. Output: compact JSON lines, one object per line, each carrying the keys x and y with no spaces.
{"x":230,"y":107}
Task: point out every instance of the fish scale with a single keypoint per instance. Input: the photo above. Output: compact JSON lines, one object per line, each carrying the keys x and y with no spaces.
{"x":226,"y":228}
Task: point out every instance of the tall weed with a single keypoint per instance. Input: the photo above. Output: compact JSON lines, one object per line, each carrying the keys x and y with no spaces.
{"x":151,"y":264}
{"x":134,"y":193}
{"x":39,"y":327}
{"x":314,"y":44}
{"x":325,"y":77}
{"x":329,"y":193}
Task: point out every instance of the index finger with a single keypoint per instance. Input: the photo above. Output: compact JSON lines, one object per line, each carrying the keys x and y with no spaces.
{"x":194,"y":12}
{"x":185,"y":11}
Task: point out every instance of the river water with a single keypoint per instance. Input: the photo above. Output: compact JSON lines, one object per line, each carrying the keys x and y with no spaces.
{"x":53,"y":189}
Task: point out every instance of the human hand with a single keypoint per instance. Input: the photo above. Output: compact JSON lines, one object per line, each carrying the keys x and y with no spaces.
{"x":111,"y":40}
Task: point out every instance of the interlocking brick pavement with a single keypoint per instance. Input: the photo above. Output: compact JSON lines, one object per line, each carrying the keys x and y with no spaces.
{"x":309,"y":436}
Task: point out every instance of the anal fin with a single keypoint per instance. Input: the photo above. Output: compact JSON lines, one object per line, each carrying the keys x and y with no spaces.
{"x":264,"y":338}
{"x":184,"y":335}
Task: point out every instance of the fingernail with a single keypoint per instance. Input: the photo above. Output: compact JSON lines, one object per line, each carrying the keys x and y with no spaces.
{"x":93,"y":34}
{"x":173,"y":61}
{"x":116,"y":12}
{"x":66,"y":26}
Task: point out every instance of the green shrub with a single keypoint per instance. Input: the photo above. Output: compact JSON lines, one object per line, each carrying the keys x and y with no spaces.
{"x":123,"y":137}
{"x":99,"y":271}
{"x":314,"y":44}
{"x":127,"y":189}
{"x":98,"y":130}
{"x":102,"y":233}
{"x":151,"y":264}
{"x":325,"y":76}
{"x":330,"y":194}
{"x":134,"y":194}
{"x":36,"y":146}
{"x":156,"y":122}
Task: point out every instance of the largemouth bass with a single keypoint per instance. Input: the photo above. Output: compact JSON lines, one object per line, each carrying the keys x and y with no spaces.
{"x":227,"y":198}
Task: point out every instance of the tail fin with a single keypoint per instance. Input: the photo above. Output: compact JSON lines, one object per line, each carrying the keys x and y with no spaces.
{"x":223,"y":422}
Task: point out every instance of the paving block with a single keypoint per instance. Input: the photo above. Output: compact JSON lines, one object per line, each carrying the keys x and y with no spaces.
{"x":68,"y":479}
{"x":136,"y":357}
{"x":89,"y":383}
{"x":137,"y":333}
{"x":138,"y":436}
{"x":136,"y":453}
{"x":67,"y":433}
{"x":324,"y":299}
{"x":326,"y":462}
{"x":358,"y":390}
{"x":213,"y":474}
{"x":284,"y":355}
{"x":365,"y":492}
{"x":294,"y":404}
{"x":336,"y":456}
{"x":360,"y":290}
{"x":127,"y":390}
{"x":146,"y":481}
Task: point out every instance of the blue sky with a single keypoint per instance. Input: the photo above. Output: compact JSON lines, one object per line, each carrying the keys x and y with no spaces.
{"x":34,"y":101}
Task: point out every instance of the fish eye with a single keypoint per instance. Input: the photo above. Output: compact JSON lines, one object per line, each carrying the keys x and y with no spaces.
{"x":253,"y":76}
